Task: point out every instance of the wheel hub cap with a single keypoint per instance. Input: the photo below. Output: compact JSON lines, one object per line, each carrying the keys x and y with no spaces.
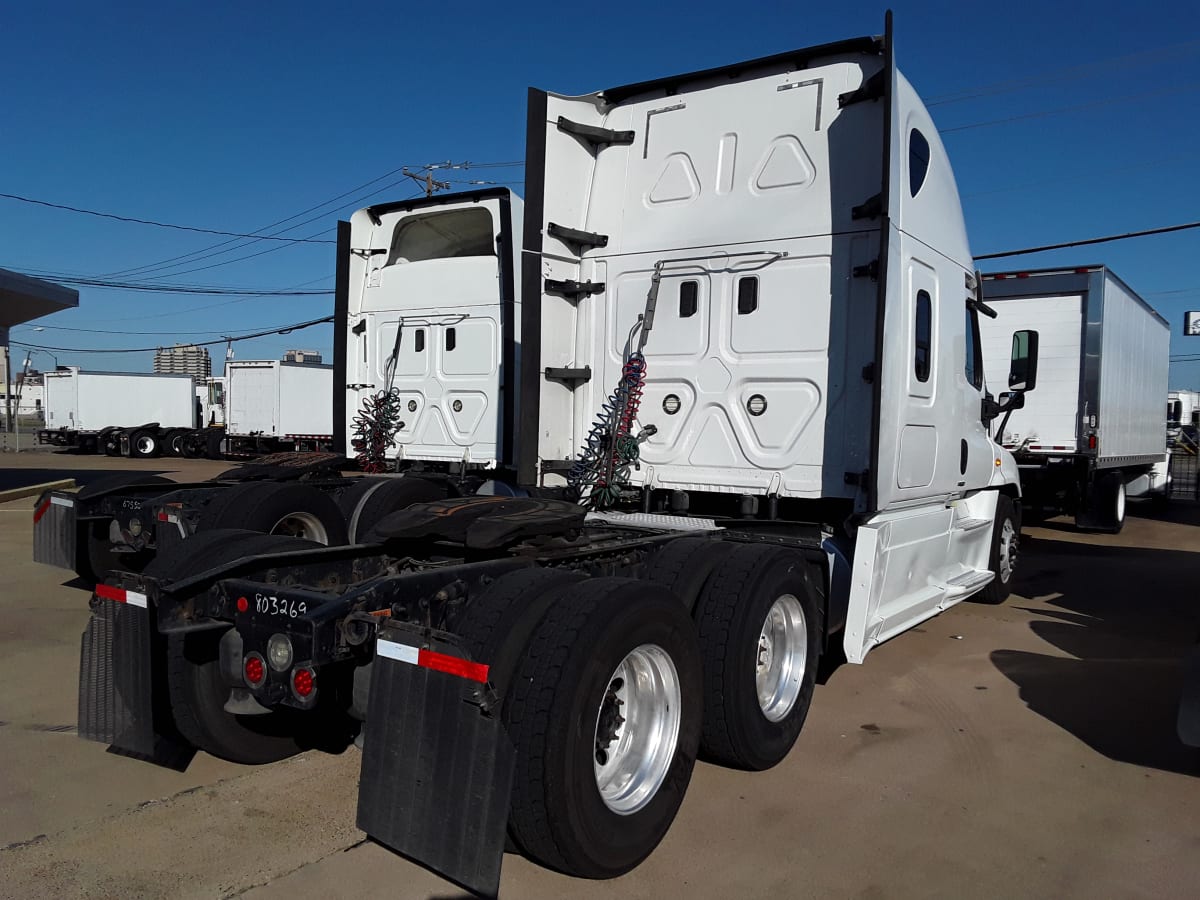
{"x":637,"y":729}
{"x":302,"y":525}
{"x":782,"y":658}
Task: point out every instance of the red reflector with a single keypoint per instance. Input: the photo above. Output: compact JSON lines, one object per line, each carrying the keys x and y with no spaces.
{"x":1022,"y":274}
{"x":452,"y":665}
{"x":243,"y":604}
{"x":40,"y":511}
{"x":162,"y":516}
{"x":255,"y":671}
{"x":1091,"y":442}
{"x":302,"y":682}
{"x":108,"y":592}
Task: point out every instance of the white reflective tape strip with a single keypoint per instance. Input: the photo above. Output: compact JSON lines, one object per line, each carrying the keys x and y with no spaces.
{"x":402,"y":652}
{"x":133,"y":598}
{"x":62,"y":501}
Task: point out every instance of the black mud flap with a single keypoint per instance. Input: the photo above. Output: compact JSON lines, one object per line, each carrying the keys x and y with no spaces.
{"x":1188,"y":724}
{"x":437,"y":765}
{"x":122,"y":699}
{"x":54,"y":530}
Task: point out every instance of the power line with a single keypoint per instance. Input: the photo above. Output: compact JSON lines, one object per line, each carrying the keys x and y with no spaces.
{"x":1065,"y":109}
{"x":1100,"y":240}
{"x":353,"y":190}
{"x":104,"y":215}
{"x":228,"y":262}
{"x":158,"y":268}
{"x":220,"y":331}
{"x":287,"y":329}
{"x":85,"y":281}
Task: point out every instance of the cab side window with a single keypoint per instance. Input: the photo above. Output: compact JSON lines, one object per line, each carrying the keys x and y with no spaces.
{"x":974,"y":367}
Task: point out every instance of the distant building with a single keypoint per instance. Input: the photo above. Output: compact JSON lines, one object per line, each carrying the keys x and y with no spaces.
{"x":183,"y":359}
{"x":308,"y":357}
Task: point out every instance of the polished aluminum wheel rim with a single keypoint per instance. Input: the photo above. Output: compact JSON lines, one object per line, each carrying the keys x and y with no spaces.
{"x":782,"y":658}
{"x":302,"y":525}
{"x":1121,"y":504}
{"x":1008,"y":550}
{"x":637,"y":729}
{"x":145,"y":444}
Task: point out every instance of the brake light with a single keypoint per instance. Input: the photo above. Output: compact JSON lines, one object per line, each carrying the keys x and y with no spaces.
{"x":1091,"y":442}
{"x":242,"y":604}
{"x":303,"y":682}
{"x":255,"y":670}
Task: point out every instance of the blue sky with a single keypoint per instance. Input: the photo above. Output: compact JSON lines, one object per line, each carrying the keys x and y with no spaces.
{"x":234,"y":116}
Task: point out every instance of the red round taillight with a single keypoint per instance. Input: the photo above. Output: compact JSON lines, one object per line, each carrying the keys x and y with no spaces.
{"x":243,"y":604}
{"x":303,"y":682}
{"x":255,"y":670}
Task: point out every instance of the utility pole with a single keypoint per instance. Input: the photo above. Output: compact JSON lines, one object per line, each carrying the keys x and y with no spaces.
{"x":427,"y":182}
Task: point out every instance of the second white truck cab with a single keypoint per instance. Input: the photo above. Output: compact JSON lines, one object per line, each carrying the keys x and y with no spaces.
{"x":431,"y":318}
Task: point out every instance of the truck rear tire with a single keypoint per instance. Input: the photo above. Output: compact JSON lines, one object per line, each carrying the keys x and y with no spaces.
{"x":496,"y":625}
{"x":684,"y":565}
{"x":173,"y":441}
{"x":389,"y":496}
{"x":1105,"y":510}
{"x":108,"y":441}
{"x":759,"y":625}
{"x":196,"y":686}
{"x":273,"y":507}
{"x":1006,"y":539}
{"x":145,"y":443}
{"x":605,"y":717}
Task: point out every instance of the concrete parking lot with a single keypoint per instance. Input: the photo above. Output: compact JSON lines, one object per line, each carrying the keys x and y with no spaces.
{"x":1020,"y":750}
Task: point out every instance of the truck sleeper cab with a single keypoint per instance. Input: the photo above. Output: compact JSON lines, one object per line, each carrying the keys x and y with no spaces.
{"x":430,"y":318}
{"x":765,"y":262}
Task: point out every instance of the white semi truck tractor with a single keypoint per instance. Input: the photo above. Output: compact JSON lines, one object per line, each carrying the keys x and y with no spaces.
{"x":421,"y":393}
{"x":752,"y":435}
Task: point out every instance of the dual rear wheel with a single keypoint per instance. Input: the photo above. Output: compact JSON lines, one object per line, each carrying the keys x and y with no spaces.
{"x":610,"y":689}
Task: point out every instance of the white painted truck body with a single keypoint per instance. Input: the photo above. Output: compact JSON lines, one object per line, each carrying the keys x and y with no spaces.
{"x":811,"y":335}
{"x":211,"y":394}
{"x":1102,"y":369}
{"x":89,"y":401}
{"x":433,"y":285}
{"x":279,"y":399}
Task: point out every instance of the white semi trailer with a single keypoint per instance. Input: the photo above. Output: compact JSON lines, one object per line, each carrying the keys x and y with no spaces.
{"x":750,"y":436}
{"x":118,"y":413}
{"x":273,"y":406}
{"x":1094,"y":432}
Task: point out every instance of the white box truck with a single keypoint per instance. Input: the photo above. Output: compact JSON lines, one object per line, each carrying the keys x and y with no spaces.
{"x":273,"y":406}
{"x":1094,"y":432}
{"x":750,"y":436}
{"x":118,"y":413}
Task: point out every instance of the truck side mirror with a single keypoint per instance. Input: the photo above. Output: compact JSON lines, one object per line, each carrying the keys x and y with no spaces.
{"x":1022,"y":373}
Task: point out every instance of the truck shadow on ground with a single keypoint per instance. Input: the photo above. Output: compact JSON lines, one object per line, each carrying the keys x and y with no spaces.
{"x":1126,"y":618}
{"x":17,"y":478}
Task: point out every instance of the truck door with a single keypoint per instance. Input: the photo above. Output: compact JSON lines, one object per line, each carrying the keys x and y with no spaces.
{"x":931,"y":447}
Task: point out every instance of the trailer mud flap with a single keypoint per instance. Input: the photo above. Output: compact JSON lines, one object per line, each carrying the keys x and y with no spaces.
{"x":119,"y":703}
{"x":437,"y":767}
{"x":1188,"y":724}
{"x":54,"y":530}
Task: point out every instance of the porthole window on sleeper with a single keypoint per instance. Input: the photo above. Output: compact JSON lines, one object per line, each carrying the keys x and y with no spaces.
{"x":918,"y":161}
